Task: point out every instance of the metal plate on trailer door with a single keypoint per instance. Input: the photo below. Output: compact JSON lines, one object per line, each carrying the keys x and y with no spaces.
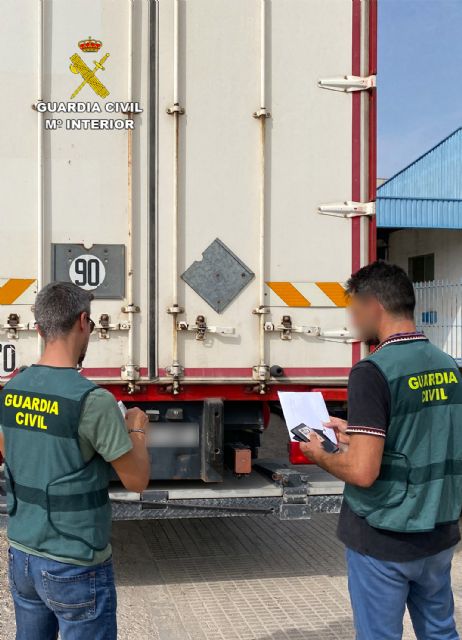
{"x":219,"y":277}
{"x":100,"y":269}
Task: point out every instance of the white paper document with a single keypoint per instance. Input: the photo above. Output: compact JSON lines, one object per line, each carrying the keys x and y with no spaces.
{"x":307,"y":407}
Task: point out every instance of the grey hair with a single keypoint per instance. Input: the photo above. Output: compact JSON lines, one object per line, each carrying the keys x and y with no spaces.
{"x":57,"y":307}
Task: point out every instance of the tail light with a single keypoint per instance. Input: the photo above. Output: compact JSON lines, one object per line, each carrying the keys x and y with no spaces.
{"x":296,"y":456}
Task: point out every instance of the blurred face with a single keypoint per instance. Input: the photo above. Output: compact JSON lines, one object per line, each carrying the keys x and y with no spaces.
{"x":366,"y":313}
{"x":86,"y":326}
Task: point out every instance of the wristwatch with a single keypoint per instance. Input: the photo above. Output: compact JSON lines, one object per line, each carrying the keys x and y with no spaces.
{"x":137,"y":431}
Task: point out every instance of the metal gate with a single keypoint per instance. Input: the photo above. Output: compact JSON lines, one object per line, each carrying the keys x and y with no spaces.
{"x":439,"y":314}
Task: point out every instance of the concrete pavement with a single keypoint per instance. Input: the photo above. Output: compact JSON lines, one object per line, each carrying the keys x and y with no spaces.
{"x":240,"y":578}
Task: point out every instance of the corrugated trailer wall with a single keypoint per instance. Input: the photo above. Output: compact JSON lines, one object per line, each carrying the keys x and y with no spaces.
{"x":65,"y":193}
{"x":214,"y":233}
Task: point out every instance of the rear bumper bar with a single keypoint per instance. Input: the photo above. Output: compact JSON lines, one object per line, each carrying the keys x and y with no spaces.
{"x":214,"y":508}
{"x":274,"y":488}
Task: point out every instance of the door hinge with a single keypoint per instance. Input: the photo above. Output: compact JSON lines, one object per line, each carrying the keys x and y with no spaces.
{"x":201,"y":328}
{"x":105,"y":326}
{"x":347,"y":209}
{"x":13,"y":326}
{"x":261,"y":372}
{"x":262,"y":113}
{"x":338,"y":335}
{"x":131,"y":308}
{"x":286,"y":328}
{"x":175,"y":108}
{"x":130,"y":372}
{"x":348,"y":84}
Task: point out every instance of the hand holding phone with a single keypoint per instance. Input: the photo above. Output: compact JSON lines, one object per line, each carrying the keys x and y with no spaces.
{"x":302,"y":433}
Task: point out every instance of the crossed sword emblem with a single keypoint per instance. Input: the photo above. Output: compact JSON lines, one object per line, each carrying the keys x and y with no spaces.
{"x":88,"y":75}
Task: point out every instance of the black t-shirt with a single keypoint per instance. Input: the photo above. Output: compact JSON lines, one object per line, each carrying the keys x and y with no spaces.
{"x":369,"y":413}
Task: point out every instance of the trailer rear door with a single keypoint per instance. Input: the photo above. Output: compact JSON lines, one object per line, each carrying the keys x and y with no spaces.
{"x":256,"y":270}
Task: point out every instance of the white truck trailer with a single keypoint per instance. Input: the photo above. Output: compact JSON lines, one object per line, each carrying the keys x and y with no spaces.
{"x":207,"y":169}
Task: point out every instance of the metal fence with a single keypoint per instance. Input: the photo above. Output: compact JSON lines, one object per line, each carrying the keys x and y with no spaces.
{"x":439,"y":314}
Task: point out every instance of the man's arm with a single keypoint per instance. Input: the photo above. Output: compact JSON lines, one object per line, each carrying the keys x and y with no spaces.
{"x":134,"y":467}
{"x":359,"y":465}
{"x":368,"y":418}
{"x":103,"y":430}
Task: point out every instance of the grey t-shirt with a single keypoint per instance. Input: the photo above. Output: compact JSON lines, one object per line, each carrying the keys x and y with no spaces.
{"x":102,"y":427}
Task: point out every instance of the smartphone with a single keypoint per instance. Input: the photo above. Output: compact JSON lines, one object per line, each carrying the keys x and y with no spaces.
{"x":302,"y":434}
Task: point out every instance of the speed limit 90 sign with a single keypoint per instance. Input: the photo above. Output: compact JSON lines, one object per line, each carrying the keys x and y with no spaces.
{"x":99,"y":269}
{"x":87,"y":271}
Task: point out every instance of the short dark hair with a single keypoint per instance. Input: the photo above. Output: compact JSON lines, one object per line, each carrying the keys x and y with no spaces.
{"x":57,"y":307}
{"x":388,"y":283}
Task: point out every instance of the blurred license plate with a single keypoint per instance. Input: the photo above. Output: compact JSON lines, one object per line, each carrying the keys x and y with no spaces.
{"x":173,"y":435}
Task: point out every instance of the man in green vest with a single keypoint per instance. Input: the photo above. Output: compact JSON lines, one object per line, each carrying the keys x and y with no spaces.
{"x":402,"y":465}
{"x":60,"y":436}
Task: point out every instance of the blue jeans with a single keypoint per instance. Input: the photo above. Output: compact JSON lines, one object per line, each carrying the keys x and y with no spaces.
{"x":380,"y":591}
{"x":50,"y":596}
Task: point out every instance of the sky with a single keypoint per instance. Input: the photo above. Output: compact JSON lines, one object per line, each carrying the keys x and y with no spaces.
{"x":419,"y":78}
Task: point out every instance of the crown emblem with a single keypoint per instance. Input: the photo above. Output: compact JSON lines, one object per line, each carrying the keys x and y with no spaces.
{"x":89,"y":45}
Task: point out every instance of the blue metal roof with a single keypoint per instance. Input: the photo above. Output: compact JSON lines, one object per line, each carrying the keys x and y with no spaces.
{"x":428,"y":193}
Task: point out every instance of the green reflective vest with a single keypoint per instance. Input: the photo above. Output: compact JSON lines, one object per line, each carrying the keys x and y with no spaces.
{"x":420,"y":481}
{"x":57,"y":503}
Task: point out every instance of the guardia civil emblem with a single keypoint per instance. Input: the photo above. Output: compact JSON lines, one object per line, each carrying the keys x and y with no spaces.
{"x":78,"y":66}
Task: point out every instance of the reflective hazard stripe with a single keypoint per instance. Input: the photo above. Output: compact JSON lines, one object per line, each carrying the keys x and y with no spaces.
{"x":335,"y":292}
{"x":289,"y":294}
{"x":17,"y":290}
{"x":306,"y":294}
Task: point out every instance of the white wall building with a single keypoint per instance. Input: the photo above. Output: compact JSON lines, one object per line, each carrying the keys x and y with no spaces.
{"x":434,"y":253}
